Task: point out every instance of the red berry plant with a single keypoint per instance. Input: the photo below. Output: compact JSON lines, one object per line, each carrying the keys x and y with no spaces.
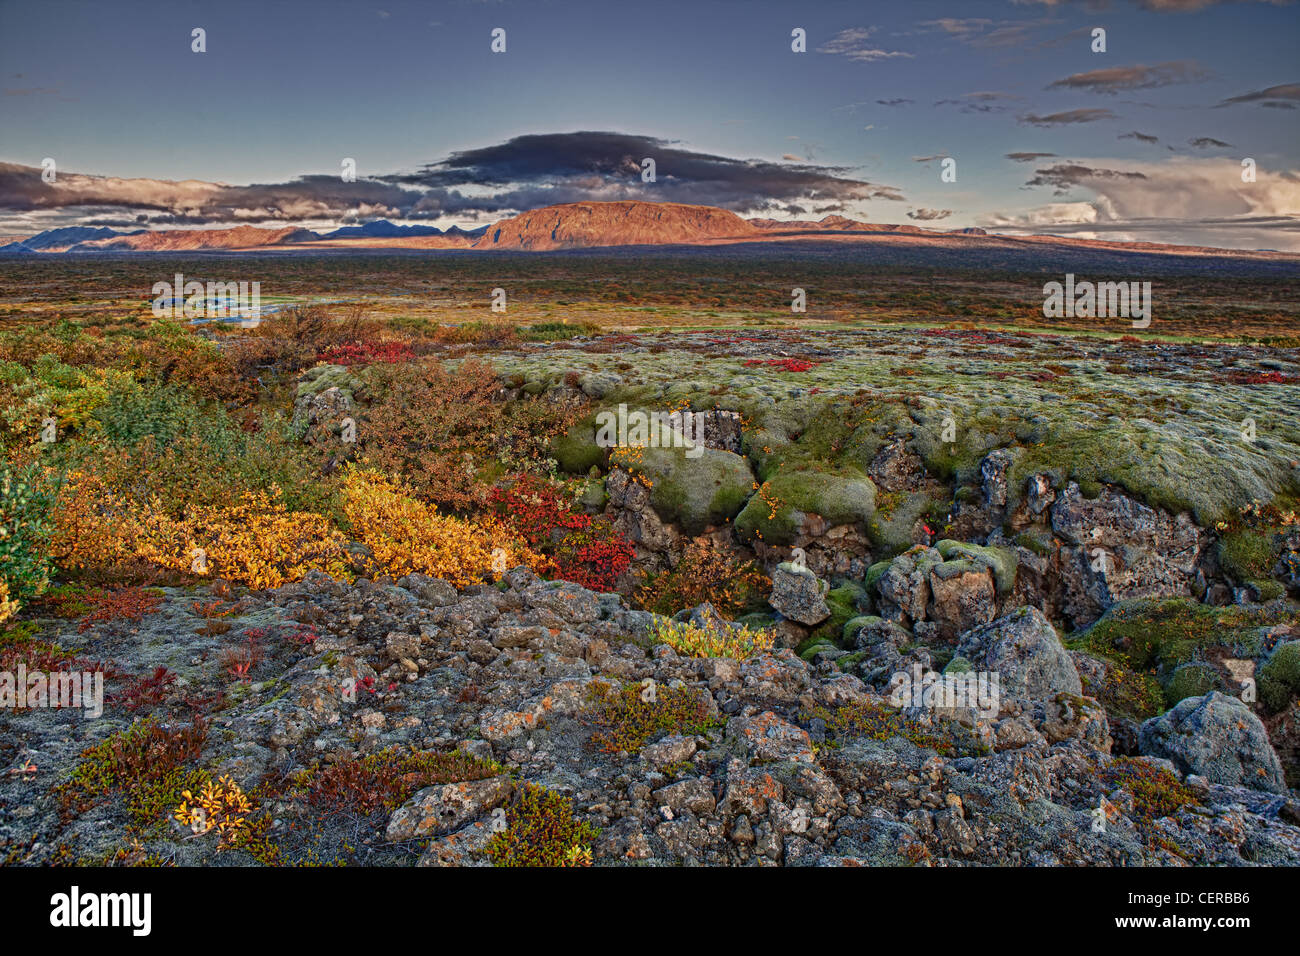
{"x":584,"y":549}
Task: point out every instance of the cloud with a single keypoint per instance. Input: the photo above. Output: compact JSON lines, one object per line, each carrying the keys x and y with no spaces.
{"x":1069,"y":116}
{"x":982,"y":32}
{"x":958,"y":26}
{"x":1200,"y":201}
{"x":1028,"y":157}
{"x":791,"y":157}
{"x":520,"y":174}
{"x":1276,"y":96}
{"x":1142,"y":137}
{"x":1063,"y":176}
{"x":1208,"y":142}
{"x":981,"y":102}
{"x":897,"y":101}
{"x":928,"y":215}
{"x":929,"y":159}
{"x":1117,"y":79}
{"x":853,"y":43}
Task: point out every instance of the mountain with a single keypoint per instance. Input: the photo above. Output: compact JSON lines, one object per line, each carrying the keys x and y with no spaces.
{"x":54,"y":240}
{"x":174,"y":240}
{"x":833,"y":223}
{"x":628,"y":223}
{"x":612,"y":225}
{"x":382,"y":228}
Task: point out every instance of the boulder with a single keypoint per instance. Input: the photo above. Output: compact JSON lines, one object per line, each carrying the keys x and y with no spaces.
{"x":1023,"y":649}
{"x":1216,"y":737}
{"x":1118,"y":548}
{"x":799,"y":595}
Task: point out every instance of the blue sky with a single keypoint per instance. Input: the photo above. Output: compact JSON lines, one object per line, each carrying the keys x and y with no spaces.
{"x":286,"y":90}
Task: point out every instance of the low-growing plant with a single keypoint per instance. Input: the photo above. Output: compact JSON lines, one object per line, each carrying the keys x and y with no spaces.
{"x":710,"y":639}
{"x":136,"y":757}
{"x":383,"y":781}
{"x":878,"y":722}
{"x":629,"y":717}
{"x":541,"y":831}
{"x":405,"y":535}
{"x":705,"y":573}
{"x":1156,"y":792}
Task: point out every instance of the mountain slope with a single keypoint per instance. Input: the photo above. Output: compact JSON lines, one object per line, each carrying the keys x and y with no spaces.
{"x":578,"y":225}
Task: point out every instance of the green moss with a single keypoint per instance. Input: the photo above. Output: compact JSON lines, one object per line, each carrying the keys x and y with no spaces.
{"x":1166,"y":632}
{"x":875,"y":573}
{"x":840,"y":498}
{"x":322,"y":377}
{"x":1000,"y":561}
{"x":1192,"y":679}
{"x":1123,"y":691}
{"x":853,"y":625}
{"x":576,"y":451}
{"x":1279,"y":678}
{"x":958,"y":665}
{"x":1037,"y":540}
{"x":693,"y":492}
{"x":844,"y":602}
{"x":814,"y":646}
{"x":1248,"y":554}
{"x":849,"y":662}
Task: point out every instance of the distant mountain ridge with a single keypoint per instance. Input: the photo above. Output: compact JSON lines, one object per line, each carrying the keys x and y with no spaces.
{"x":595,"y":225}
{"x":381,"y":228}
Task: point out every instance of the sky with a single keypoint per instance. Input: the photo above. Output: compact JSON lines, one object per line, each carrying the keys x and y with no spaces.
{"x":1042,"y":134}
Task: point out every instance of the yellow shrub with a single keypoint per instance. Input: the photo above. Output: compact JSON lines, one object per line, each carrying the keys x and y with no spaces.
{"x":405,"y":535}
{"x":711,"y":639}
{"x":8,"y":607}
{"x":256,"y":542}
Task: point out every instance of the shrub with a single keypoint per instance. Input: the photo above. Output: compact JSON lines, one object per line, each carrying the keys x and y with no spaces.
{"x":124,"y":604}
{"x":257,"y":542}
{"x":24,"y":537}
{"x":585,"y":550}
{"x":140,"y":755}
{"x":430,"y":425}
{"x":384,"y":781}
{"x":710,"y":639}
{"x":704,"y":573}
{"x":405,"y":535}
{"x":541,"y":831}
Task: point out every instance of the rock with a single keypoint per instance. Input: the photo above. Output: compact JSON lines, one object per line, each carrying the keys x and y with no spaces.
{"x":694,"y":491}
{"x":904,"y":586}
{"x":799,"y":594}
{"x":668,"y":751}
{"x":1217,"y":737}
{"x":768,"y":738}
{"x":1118,"y":548}
{"x":993,"y":478}
{"x":465,"y":847}
{"x":695,"y":796}
{"x":962,"y":596}
{"x":445,"y":807}
{"x":1026,"y":653}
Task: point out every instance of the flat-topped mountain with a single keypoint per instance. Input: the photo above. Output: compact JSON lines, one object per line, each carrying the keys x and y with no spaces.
{"x":627,"y":223}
